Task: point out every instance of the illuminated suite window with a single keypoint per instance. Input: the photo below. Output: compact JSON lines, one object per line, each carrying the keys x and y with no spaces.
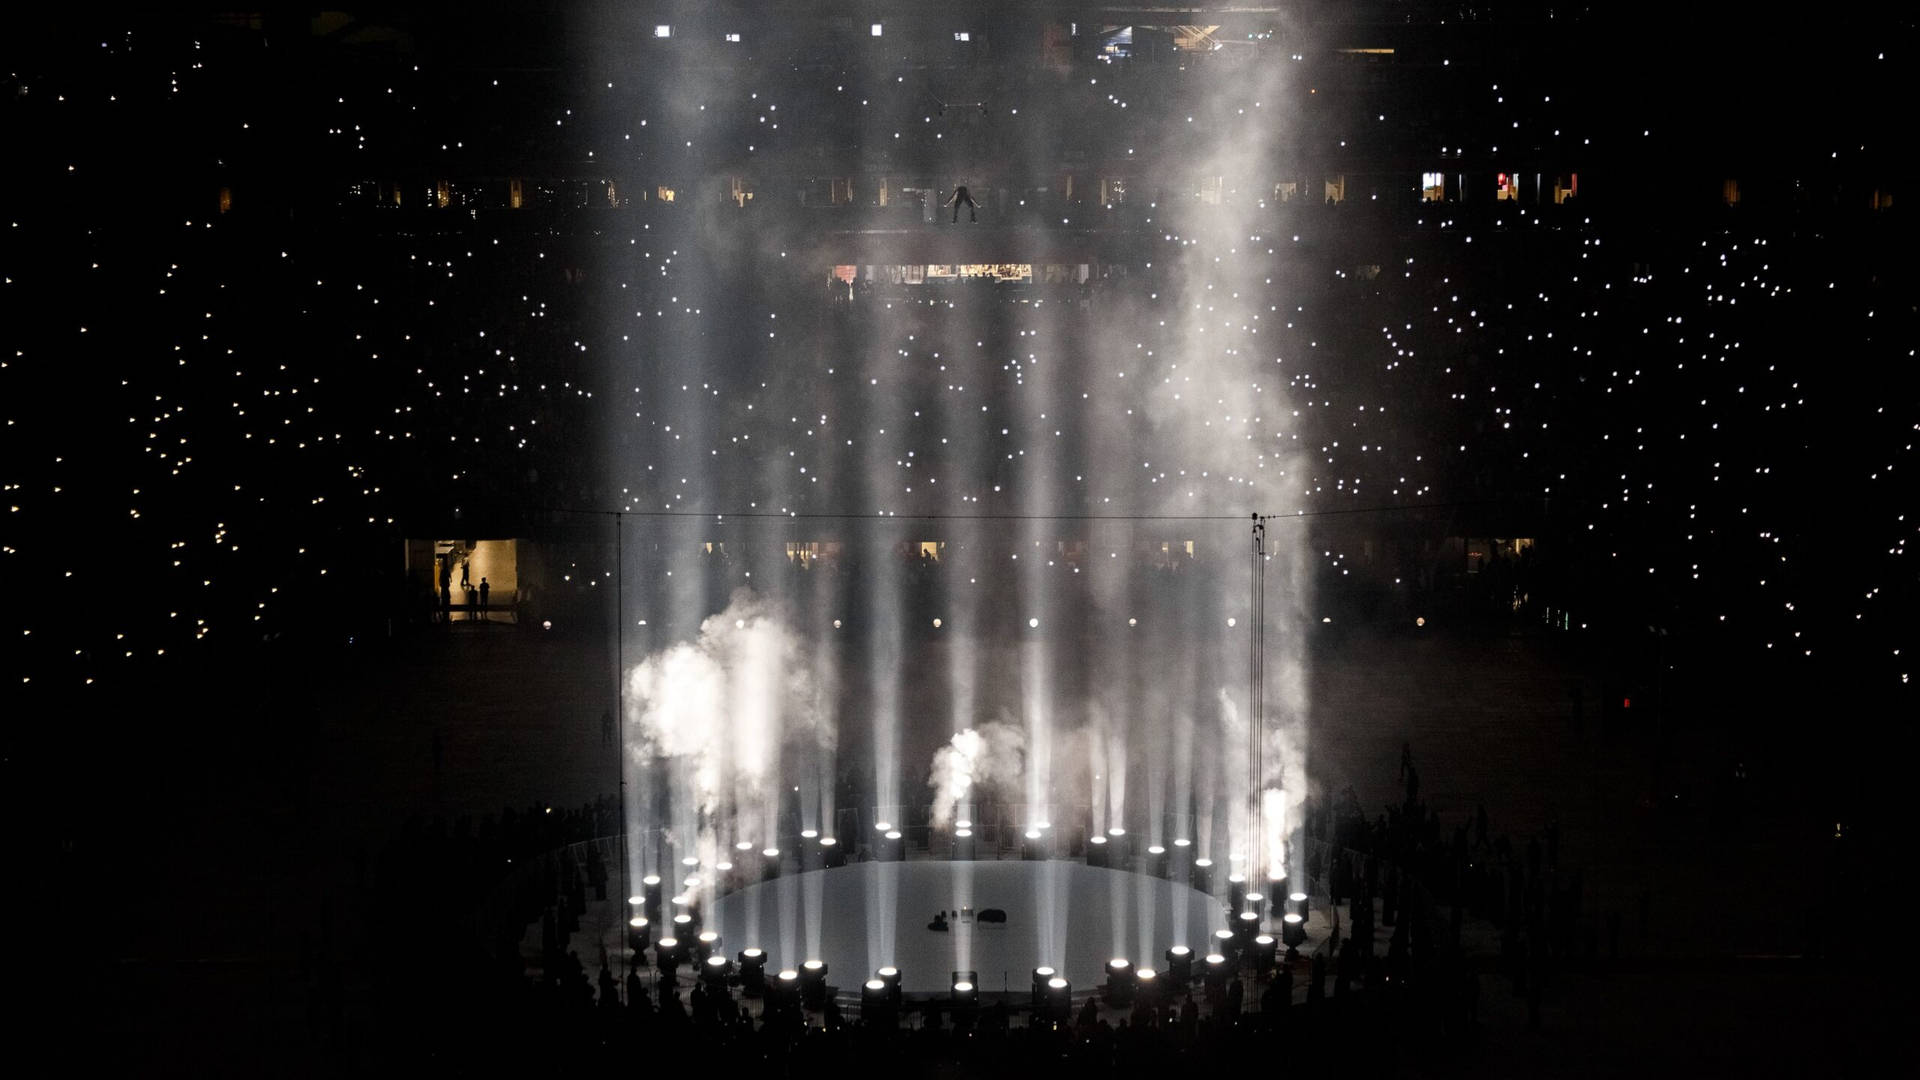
{"x":1433,"y":187}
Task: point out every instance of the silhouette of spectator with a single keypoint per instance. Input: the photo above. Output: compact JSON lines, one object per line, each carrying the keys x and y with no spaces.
{"x":960,"y":195}
{"x":484,"y":590}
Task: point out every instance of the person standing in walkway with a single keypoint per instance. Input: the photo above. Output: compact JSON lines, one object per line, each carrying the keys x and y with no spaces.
{"x":484,"y":589}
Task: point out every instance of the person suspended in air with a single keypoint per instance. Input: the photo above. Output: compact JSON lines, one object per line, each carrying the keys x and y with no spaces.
{"x":960,"y":195}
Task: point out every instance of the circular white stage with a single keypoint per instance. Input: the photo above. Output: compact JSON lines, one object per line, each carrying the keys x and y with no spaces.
{"x":1065,"y":915}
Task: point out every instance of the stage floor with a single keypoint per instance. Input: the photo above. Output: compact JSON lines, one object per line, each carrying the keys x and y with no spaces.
{"x":1063,"y":914}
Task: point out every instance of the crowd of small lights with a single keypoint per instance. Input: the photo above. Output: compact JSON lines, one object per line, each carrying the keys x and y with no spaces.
{"x":202,"y":411}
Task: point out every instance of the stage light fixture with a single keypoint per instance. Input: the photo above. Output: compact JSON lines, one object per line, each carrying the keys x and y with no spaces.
{"x":1097,"y":853}
{"x":1059,"y":998}
{"x":1159,"y":863}
{"x":1120,"y":982}
{"x":813,"y":984}
{"x":668,"y":956}
{"x":1236,"y":891}
{"x":752,"y":964}
{"x":1297,"y":901}
{"x":1265,"y":951}
{"x":1216,"y":972}
{"x":1200,"y":876}
{"x":1293,"y":931}
{"x":1041,"y":976}
{"x":965,"y":988}
{"x":714,"y":972}
{"x":705,"y":944}
{"x":876,"y":1004}
{"x":1246,"y":926}
{"x":1033,"y":844}
{"x":1147,"y":985}
{"x":1179,"y":965}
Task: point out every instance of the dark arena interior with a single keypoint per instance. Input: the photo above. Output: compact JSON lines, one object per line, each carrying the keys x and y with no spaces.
{"x":961,"y":539}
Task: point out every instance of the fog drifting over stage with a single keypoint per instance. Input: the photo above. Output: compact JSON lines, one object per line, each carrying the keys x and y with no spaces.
{"x":895,"y":556}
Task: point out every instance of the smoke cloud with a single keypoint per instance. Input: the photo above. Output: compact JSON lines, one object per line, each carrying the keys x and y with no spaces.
{"x":722,"y":708}
{"x":991,"y":755}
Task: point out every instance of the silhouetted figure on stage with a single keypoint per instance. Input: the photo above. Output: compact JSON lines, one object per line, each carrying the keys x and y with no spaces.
{"x":960,"y":195}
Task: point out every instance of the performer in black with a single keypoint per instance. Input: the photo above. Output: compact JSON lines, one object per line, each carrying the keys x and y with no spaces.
{"x":960,"y":195}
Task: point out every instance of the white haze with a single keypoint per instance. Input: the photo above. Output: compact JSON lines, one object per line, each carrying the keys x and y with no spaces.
{"x":991,"y":755}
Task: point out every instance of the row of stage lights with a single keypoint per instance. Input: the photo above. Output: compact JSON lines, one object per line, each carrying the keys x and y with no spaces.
{"x":1110,"y":849}
{"x":1243,"y":941}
